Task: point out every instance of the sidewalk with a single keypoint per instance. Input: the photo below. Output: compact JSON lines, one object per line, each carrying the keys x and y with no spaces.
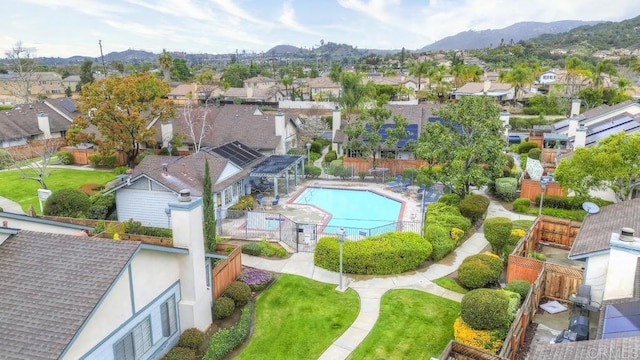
{"x":371,"y":288}
{"x":10,"y":206}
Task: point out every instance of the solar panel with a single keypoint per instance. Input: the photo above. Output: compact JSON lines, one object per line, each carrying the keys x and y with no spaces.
{"x":67,"y":104}
{"x":445,"y":123}
{"x":625,"y":123}
{"x":621,"y":320}
{"x":275,"y":164}
{"x":411,"y":129}
{"x":237,"y":153}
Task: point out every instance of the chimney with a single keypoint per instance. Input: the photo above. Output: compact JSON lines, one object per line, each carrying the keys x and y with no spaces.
{"x":626,"y":234}
{"x":580,"y":139}
{"x":195,"y":302}
{"x":166,"y":131}
{"x":336,"y":123}
{"x":281,"y":129}
{"x":573,"y":126}
{"x":43,"y":125}
{"x":185,"y":195}
{"x":249,"y":92}
{"x":504,"y":118}
{"x":575,"y":107}
{"x":486,"y":86}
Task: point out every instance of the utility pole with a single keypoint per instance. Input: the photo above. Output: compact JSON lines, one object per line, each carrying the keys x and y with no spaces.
{"x":104,"y":67}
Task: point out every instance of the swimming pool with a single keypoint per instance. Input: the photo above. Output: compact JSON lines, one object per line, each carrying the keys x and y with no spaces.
{"x":350,"y":208}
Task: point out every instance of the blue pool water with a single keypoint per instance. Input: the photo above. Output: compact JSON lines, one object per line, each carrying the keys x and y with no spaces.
{"x":359,"y":209}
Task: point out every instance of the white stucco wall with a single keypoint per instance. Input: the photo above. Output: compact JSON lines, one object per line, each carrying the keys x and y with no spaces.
{"x":596,"y":275}
{"x":153,"y":272}
{"x":620,"y":275}
{"x":145,"y":206}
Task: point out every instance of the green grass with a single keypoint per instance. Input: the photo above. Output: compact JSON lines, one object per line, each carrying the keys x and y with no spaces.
{"x":522,"y":224}
{"x":24,"y":191}
{"x":412,"y":325}
{"x":450,"y":284}
{"x":298,"y":318}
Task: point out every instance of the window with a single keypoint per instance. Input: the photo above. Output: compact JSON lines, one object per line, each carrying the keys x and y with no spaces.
{"x":207,"y":270}
{"x":228,"y":195}
{"x":168,"y":314}
{"x":133,"y":345}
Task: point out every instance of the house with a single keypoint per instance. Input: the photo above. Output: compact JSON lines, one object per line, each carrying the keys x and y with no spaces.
{"x":71,"y":82}
{"x":192,"y":92}
{"x":35,"y":122}
{"x":26,"y":222}
{"x":598,"y":245}
{"x":158,"y":180}
{"x":323,"y":88}
{"x":552,"y":76}
{"x":499,"y":91}
{"x":613,"y":270}
{"x":41,"y":85}
{"x":75,"y":297}
{"x":259,"y":82}
{"x":257,"y":94}
{"x":588,"y":128}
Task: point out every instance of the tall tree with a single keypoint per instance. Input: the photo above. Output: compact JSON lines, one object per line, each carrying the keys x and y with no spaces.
{"x":121,"y":109}
{"x":24,"y":67}
{"x":365,"y":135}
{"x":354,"y":94}
{"x":518,"y":77}
{"x":180,"y":71}
{"x":602,"y":67}
{"x":468,"y":146}
{"x":165,"y":60}
{"x":336,"y":72}
{"x":286,"y":81}
{"x":610,"y":164}
{"x":86,"y":74}
{"x":42,"y":151}
{"x":208,"y":211}
{"x":118,"y":66}
{"x":420,"y":69}
{"x":234,"y":75}
{"x":577,"y":73}
{"x":195,"y":117}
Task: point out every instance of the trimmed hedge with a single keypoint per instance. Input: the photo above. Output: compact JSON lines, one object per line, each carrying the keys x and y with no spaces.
{"x":312,"y":171}
{"x":330,"y":156}
{"x":440,"y":239}
{"x":524,"y":147}
{"x":450,"y":199}
{"x":448,"y":216}
{"x":239,"y":292}
{"x":226,"y":340}
{"x":67,"y":203}
{"x":485,"y":309}
{"x":223,"y":307}
{"x":519,"y":287}
{"x":506,"y":188}
{"x":521,"y":205}
{"x":474,"y":206}
{"x":244,"y":203}
{"x":487,"y":340}
{"x":389,"y":253}
{"x":534,"y":153}
{"x":180,"y":353}
{"x":569,"y":203}
{"x":191,"y":339}
{"x":497,"y":231}
{"x":64,"y":157}
{"x":479,"y":270}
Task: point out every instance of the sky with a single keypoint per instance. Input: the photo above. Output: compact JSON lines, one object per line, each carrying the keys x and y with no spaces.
{"x":63,"y":28}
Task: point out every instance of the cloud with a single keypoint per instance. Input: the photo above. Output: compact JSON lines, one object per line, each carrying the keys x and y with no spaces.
{"x":380,"y":10}
{"x":230,"y":7}
{"x":288,"y":19}
{"x":177,"y":8}
{"x":96,"y":8}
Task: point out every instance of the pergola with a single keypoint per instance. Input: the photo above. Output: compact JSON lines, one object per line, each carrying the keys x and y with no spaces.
{"x":276,"y":166}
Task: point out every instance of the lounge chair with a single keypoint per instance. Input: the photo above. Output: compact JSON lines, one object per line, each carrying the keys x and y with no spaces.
{"x":396,"y":182}
{"x":275,"y":202}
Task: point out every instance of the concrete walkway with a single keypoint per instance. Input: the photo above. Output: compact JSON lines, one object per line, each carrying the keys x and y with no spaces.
{"x":10,"y":206}
{"x":371,"y":288}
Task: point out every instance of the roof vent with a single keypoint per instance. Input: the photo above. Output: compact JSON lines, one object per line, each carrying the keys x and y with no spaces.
{"x":185,"y":196}
{"x":626,"y":234}
{"x":165,"y":168}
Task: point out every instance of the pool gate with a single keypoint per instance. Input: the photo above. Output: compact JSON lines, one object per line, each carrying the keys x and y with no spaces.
{"x":298,"y":237}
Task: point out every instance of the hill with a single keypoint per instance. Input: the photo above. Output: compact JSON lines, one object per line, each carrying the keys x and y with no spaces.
{"x":468,"y":40}
{"x":602,"y":36}
{"x":283,"y":49}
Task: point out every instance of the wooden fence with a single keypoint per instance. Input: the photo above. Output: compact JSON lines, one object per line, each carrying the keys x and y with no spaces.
{"x":227,"y":270}
{"x":394,"y":166}
{"x":458,"y":351}
{"x":81,"y":156}
{"x":530,"y":189}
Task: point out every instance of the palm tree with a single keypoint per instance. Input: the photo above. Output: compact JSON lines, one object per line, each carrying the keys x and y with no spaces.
{"x":519,"y":77}
{"x":286,"y":81}
{"x":420,"y":69}
{"x":165,"y":60}
{"x":601,"y":68}
{"x":576,"y":71}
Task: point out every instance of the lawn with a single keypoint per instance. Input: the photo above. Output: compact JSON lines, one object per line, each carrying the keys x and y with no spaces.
{"x":24,"y":191}
{"x":300,"y":318}
{"x":450,"y":284}
{"x":412,"y":325}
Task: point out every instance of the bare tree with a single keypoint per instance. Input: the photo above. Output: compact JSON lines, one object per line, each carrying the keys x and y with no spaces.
{"x":34,"y":158}
{"x":195,"y":118}
{"x":23,"y":66}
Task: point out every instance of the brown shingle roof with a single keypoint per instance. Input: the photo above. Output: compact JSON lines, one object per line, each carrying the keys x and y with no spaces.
{"x":23,"y":122}
{"x":595,"y":232}
{"x":238,"y":123}
{"x":617,"y":348}
{"x":49,"y":284}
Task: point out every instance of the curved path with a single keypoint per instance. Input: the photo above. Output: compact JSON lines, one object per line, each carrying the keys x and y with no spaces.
{"x":371,"y":288}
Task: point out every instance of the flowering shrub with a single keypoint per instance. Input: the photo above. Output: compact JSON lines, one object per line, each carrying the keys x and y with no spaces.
{"x":456,"y":234}
{"x":487,"y":340}
{"x":518,"y":233}
{"x":256,"y":279}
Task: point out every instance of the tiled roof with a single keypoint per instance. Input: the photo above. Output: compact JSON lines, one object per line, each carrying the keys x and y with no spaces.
{"x":49,"y":284}
{"x":595,"y":232}
{"x":323,"y":83}
{"x":478,"y":87}
{"x":182,"y":90}
{"x":23,"y":122}
{"x":238,"y":123}
{"x":617,"y":348}
{"x":181,"y":127}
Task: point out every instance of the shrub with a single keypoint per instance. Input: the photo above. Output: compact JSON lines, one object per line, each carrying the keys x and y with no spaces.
{"x":409,"y":174}
{"x":119,"y":170}
{"x":268,"y":249}
{"x":485,"y":309}
{"x":330,"y":156}
{"x":524,"y":147}
{"x":312,"y":171}
{"x":225,"y":340}
{"x":514,"y":304}
{"x":135,"y":227}
{"x":447,"y":216}
{"x":509,"y":160}
{"x":6,"y":160}
{"x":488,"y":340}
{"x":244,"y":203}
{"x":238,"y":292}
{"x":537,"y":255}
{"x":534,"y":153}
{"x":577,"y":215}
{"x":474,"y":206}
{"x":67,"y":203}
{"x":165,"y":151}
{"x":180,"y":353}
{"x":192,"y":339}
{"x":440,"y":240}
{"x":521,"y":205}
{"x":520,"y":287}
{"x":316,"y":147}
{"x":456,"y":235}
{"x":506,"y":188}
{"x":389,"y":253}
{"x":253,"y":249}
{"x":142,"y":155}
{"x":478,"y":270}
{"x":97,"y":212}
{"x":450,"y":199}
{"x":516,"y":173}
{"x":64,"y":157}
{"x":223,"y":307}
{"x":497,"y":231}
{"x":523,"y":161}
{"x":256,"y":279}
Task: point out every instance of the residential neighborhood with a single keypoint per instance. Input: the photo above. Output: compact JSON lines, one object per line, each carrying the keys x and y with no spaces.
{"x":331,"y":202}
